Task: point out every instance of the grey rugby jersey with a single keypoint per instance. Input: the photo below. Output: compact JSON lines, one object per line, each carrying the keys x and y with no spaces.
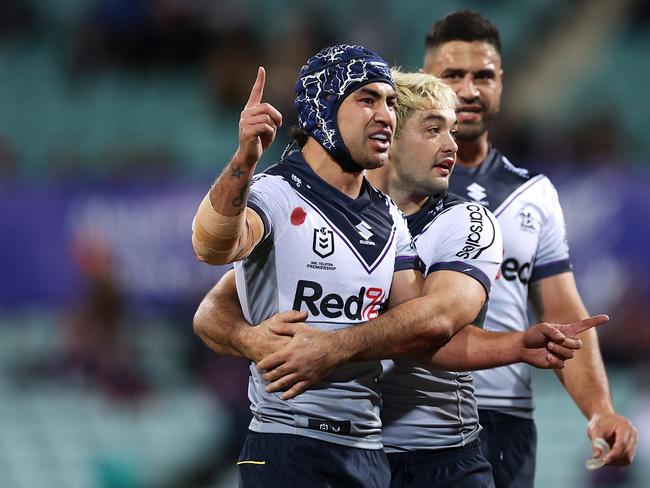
{"x":425,"y":408}
{"x":535,"y":247}
{"x":334,"y":257}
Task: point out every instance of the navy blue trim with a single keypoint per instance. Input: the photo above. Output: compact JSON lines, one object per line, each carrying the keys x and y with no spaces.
{"x":551,"y":269}
{"x":344,"y":214}
{"x":409,"y":262}
{"x":296,"y":164}
{"x":514,"y":196}
{"x":369,"y":267}
{"x":265,"y":218}
{"x":465,"y":268}
{"x":498,"y":177}
{"x":434,"y":206}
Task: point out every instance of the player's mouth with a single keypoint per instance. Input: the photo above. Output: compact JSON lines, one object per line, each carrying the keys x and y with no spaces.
{"x":469,"y":112}
{"x":380,"y":139}
{"x":445,"y":166}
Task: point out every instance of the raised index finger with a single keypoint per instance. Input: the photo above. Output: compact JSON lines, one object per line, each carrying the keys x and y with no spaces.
{"x":258,"y":88}
{"x":582,"y":325}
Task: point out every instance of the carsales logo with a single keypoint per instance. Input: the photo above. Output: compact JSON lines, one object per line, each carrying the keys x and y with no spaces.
{"x":365,"y":305}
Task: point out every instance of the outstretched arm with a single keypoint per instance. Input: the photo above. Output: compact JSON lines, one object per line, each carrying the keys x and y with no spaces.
{"x":542,"y":345}
{"x":220,"y":324}
{"x":425,"y":327}
{"x":224,"y":229}
{"x":556,"y":299}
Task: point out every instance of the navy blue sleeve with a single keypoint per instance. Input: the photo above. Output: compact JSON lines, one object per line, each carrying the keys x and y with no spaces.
{"x":409,"y":262}
{"x":551,"y":269}
{"x":465,"y":268}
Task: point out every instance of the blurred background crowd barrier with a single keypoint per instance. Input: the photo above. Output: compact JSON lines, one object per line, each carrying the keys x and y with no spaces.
{"x":115,"y":117}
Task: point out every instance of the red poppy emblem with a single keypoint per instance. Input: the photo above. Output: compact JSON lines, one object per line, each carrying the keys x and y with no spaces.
{"x":298,"y":216}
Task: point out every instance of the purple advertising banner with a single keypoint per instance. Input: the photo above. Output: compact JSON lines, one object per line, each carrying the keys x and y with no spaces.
{"x":146,"y":229}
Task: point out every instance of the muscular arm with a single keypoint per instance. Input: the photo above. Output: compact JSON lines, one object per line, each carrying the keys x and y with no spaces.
{"x":542,"y":345}
{"x":221,"y":325}
{"x":556,"y":299}
{"x":224,"y":230}
{"x":473,"y":349}
{"x":449,"y":301}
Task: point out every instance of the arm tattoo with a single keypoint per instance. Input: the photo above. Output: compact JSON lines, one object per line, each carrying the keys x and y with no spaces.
{"x":236,"y":172}
{"x":239,"y":200}
{"x":535,"y":297}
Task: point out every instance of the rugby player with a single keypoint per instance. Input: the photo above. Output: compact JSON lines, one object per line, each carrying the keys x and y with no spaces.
{"x":313,"y":229}
{"x":430,"y":416}
{"x":464,"y":50}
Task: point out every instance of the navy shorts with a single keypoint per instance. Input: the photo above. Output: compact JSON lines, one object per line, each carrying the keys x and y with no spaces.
{"x":509,"y":443}
{"x":459,"y":467}
{"x":287,"y":460}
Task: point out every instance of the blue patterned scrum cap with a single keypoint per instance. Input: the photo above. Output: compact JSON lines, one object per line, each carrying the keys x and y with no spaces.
{"x":323,"y":83}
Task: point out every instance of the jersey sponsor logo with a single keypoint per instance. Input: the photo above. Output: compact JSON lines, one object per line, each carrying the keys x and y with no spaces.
{"x":365,"y":232}
{"x":323,"y":244}
{"x":477,"y":193}
{"x":479,"y":237}
{"x":364,"y":305}
{"x":512,"y":270}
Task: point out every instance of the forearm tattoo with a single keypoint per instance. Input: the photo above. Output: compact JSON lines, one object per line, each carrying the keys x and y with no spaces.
{"x":241,"y":199}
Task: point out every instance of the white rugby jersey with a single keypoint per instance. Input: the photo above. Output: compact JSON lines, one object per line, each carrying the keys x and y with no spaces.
{"x":333,"y":257}
{"x":425,"y":408}
{"x":535,"y":247}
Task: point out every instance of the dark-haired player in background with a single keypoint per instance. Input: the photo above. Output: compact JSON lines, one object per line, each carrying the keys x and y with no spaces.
{"x":464,"y":49}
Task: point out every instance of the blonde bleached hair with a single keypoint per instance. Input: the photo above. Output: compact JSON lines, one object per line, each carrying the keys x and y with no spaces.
{"x":420,"y":91}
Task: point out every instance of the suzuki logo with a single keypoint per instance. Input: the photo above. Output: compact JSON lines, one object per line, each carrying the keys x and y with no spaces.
{"x":364,"y":230}
{"x":476,"y":192}
{"x":323,"y":244}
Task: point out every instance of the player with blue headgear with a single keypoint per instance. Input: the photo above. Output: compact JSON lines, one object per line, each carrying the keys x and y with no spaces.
{"x":324,"y":82}
{"x":311,"y":234}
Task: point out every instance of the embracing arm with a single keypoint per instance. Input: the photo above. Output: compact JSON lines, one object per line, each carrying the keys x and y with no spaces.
{"x":416,"y":323}
{"x":224,"y":229}
{"x":449,"y":301}
{"x":221,"y":325}
{"x":219,"y":321}
{"x":556,"y":299}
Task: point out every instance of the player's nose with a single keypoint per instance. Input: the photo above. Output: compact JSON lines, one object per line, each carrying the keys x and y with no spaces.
{"x":467,"y":89}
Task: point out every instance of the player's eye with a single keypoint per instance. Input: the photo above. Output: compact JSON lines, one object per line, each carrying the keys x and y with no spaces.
{"x":484,"y":75}
{"x":452,"y":76}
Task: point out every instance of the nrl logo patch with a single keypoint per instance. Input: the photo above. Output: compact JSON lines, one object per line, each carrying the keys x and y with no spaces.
{"x":323,"y":244}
